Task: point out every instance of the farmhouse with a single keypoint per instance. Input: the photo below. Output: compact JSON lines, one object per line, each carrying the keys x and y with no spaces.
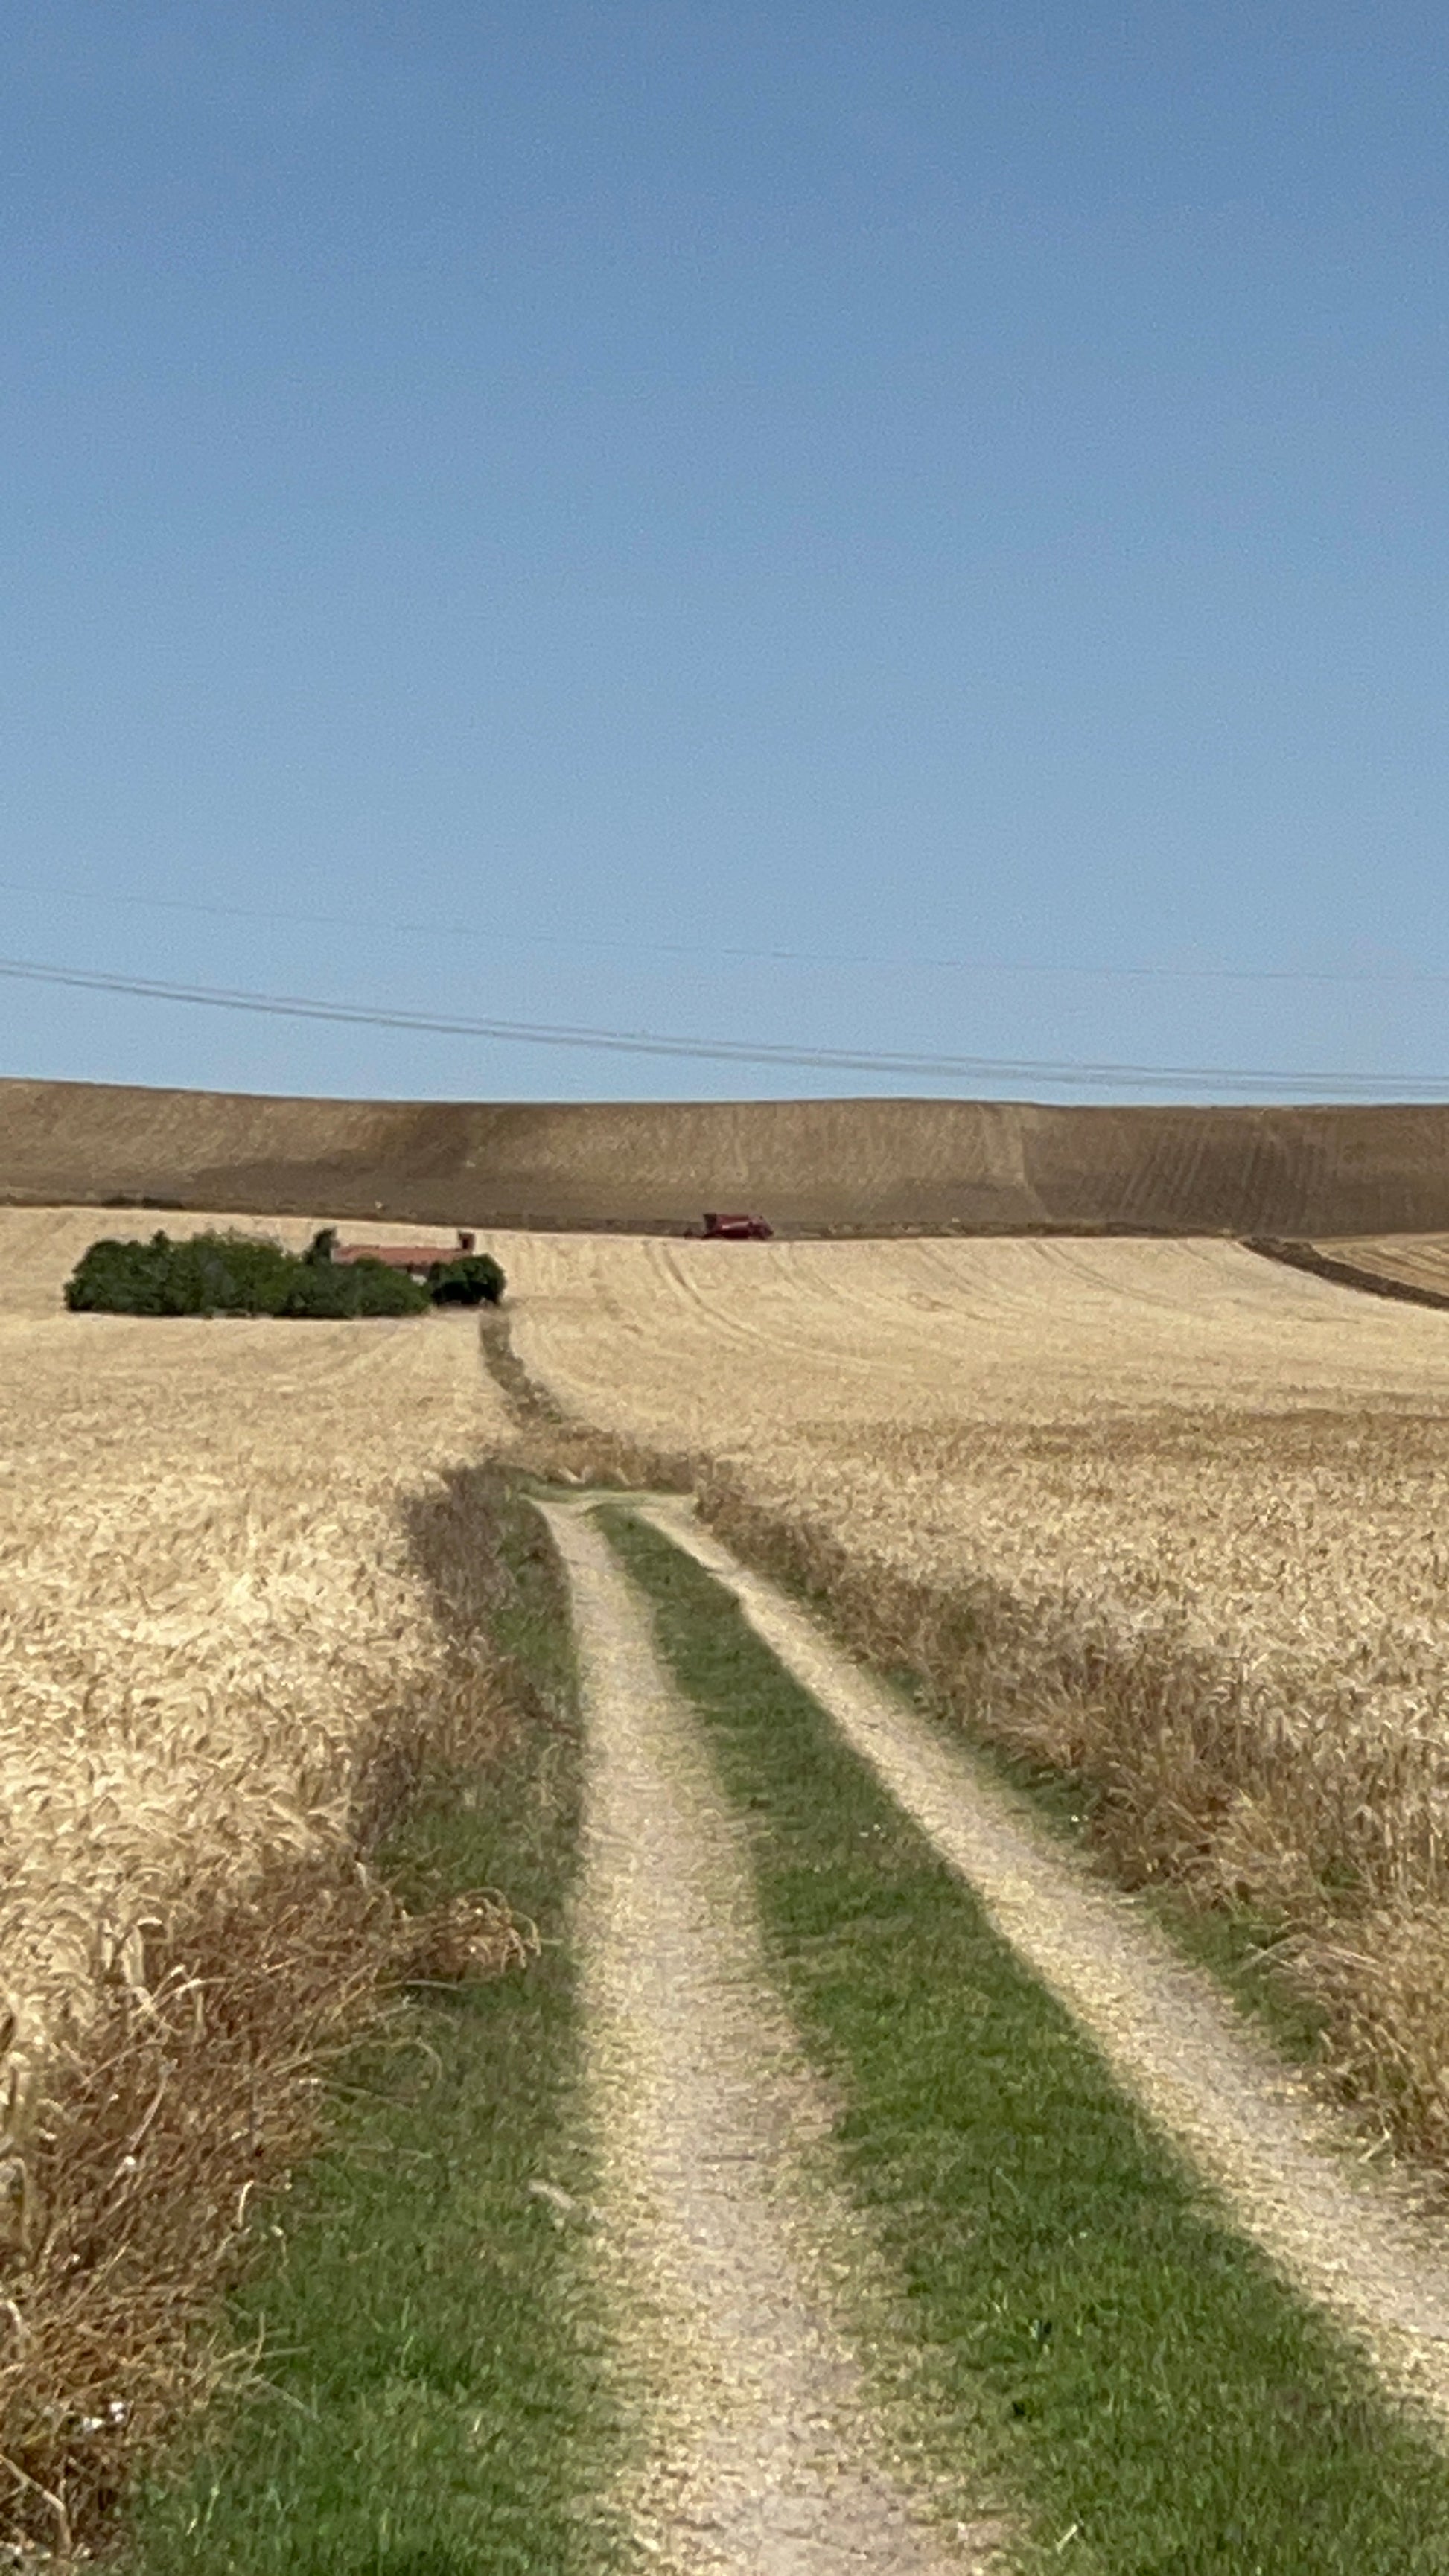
{"x":417,"y":1259}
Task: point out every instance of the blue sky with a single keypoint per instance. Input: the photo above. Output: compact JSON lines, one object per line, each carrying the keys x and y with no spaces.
{"x":828,"y":527}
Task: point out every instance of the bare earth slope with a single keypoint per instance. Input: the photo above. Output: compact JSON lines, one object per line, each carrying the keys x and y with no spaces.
{"x":864,"y":1166}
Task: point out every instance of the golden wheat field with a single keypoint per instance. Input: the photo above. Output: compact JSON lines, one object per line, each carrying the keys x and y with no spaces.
{"x":208,"y":1611}
{"x":1162,"y":1510}
{"x":1179,"y":1434}
{"x":1169,"y":1513}
{"x":1182,"y":1436}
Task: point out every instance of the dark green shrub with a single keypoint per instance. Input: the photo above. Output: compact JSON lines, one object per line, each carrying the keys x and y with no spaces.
{"x":345,"y":1288}
{"x":210,"y":1274}
{"x":225,"y":1274}
{"x":122,"y":1278}
{"x":474,"y":1279}
{"x":233,"y":1274}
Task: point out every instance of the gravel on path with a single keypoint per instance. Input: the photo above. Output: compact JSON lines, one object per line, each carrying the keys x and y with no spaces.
{"x":1290,"y":2172}
{"x":758,"y":2451}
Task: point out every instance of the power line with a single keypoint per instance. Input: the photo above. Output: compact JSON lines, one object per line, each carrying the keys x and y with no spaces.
{"x":1074,"y":1074}
{"x":720,"y":954}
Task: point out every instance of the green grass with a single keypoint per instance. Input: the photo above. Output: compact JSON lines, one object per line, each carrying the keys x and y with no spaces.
{"x":1240,"y":1948}
{"x":429,"y":2393}
{"x":1071,"y":2295}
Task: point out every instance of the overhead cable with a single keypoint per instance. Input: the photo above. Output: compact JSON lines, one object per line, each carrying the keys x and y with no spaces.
{"x":723,"y":953}
{"x":957,"y":1068}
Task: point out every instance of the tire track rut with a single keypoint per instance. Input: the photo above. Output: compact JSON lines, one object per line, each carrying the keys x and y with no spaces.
{"x":759,"y":2453}
{"x":1356,"y":2244}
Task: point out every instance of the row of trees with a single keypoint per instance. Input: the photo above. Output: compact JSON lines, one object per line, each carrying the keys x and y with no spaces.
{"x":239,"y":1274}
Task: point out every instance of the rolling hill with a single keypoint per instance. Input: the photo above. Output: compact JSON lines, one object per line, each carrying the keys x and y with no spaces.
{"x":811,"y":1166}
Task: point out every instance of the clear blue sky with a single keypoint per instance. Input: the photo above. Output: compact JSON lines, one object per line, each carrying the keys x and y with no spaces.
{"x":650,"y":483}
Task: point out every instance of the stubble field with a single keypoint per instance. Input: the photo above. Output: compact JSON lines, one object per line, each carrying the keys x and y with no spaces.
{"x":1167,"y":1515}
{"x":1417,"y":1261}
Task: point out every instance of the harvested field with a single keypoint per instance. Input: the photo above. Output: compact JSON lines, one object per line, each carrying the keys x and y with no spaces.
{"x":1417,"y":1261}
{"x":689,"y":1344}
{"x":220,"y":1656}
{"x":810,"y":1166}
{"x":1167,"y":1515}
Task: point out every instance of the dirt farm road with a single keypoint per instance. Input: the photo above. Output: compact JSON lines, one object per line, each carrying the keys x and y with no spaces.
{"x":719,"y":2230}
{"x":759,"y":2450}
{"x":1291,"y":2175}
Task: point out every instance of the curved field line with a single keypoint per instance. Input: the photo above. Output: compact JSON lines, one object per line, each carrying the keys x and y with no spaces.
{"x":695,"y":1344}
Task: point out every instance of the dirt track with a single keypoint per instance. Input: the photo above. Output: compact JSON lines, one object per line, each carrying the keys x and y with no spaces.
{"x":867,"y":1166}
{"x":756,"y":2461}
{"x":1242,"y":2119}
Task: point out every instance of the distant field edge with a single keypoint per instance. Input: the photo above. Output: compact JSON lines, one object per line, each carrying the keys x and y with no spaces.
{"x":198,"y":1201}
{"x":861,"y":1167}
{"x":1322,"y":1263}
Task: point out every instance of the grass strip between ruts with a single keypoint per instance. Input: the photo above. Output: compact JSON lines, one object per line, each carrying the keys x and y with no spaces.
{"x":1162,"y":2402}
{"x":429,"y":2400}
{"x":1240,"y":1948}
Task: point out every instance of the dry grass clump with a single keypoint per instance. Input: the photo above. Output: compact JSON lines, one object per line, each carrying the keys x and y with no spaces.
{"x":138,"y":2175}
{"x":240,"y":1599}
{"x":1168,"y":1516}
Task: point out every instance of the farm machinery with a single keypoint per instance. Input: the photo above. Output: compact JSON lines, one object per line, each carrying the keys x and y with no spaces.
{"x":734,"y":1229}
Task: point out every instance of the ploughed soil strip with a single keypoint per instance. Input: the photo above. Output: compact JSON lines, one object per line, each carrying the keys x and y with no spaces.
{"x":1287,"y":2169}
{"x":754,"y":2451}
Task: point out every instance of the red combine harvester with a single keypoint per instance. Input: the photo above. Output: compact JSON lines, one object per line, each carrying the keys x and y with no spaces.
{"x":735,"y":1229}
